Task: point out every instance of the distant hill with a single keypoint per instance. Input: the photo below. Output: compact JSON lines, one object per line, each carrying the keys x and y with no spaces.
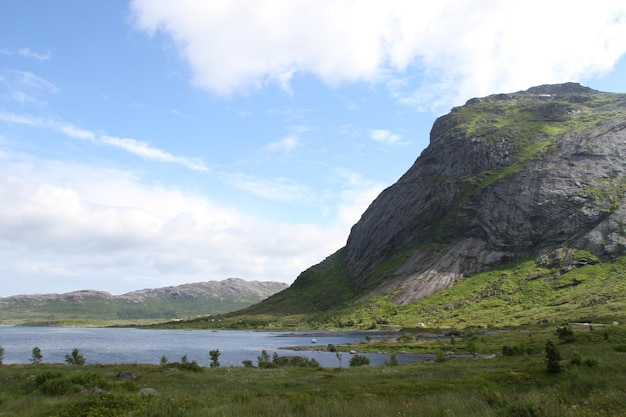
{"x":534,"y":178}
{"x":202,"y":298}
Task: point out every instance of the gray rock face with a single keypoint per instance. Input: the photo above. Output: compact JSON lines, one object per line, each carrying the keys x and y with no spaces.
{"x":504,"y":176}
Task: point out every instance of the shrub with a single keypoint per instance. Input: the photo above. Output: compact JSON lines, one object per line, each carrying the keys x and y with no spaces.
{"x":522,"y":410}
{"x":577,"y":358}
{"x":553,"y":366}
{"x":358,"y":360}
{"x":163,"y":360}
{"x":513,"y":350}
{"x":590,"y":362}
{"x":189,"y":366}
{"x":263,"y":361}
{"x":55,"y":383}
{"x":1,"y":354}
{"x":75,"y":358}
{"x":247,"y":363}
{"x":36,"y":356}
{"x":440,"y":357}
{"x":331,"y":348}
{"x":393,"y":360}
{"x":299,"y":361}
{"x":565,"y":333}
{"x":215,"y":355}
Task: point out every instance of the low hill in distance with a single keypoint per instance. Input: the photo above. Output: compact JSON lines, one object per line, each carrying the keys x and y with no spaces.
{"x":183,"y":301}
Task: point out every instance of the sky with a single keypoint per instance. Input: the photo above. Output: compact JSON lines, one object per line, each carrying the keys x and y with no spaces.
{"x":151,"y":143}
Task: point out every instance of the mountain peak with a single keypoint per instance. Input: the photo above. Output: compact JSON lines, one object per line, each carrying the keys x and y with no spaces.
{"x":538,"y":173}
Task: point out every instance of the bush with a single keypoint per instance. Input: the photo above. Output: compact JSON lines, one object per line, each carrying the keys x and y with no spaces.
{"x":358,"y":360}
{"x":1,"y":354}
{"x":553,"y":366}
{"x":393,"y":360}
{"x":565,"y":333}
{"x":215,"y":355}
{"x":522,"y":410}
{"x":263,"y":361}
{"x":36,"y":356}
{"x":299,"y":361}
{"x":247,"y":363}
{"x":189,"y":366}
{"x":590,"y":362}
{"x":513,"y":350}
{"x":75,"y":358}
{"x":55,"y":383}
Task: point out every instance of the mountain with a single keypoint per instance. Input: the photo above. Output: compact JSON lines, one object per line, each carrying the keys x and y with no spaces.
{"x":537,"y":174}
{"x":202,"y":298}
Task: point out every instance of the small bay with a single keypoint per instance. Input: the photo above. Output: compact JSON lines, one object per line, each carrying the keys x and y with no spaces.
{"x":133,"y":345}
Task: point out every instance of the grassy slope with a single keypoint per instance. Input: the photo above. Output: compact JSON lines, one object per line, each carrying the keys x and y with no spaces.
{"x":520,"y":293}
{"x":98,"y":310}
{"x":502,"y":386}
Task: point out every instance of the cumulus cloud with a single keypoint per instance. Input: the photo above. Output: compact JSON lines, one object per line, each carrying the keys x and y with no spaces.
{"x":385,"y":136}
{"x":426,"y":52}
{"x":65,"y":224}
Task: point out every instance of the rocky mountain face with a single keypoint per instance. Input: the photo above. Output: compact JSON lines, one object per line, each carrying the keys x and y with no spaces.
{"x":211,"y":297}
{"x":538,"y":173}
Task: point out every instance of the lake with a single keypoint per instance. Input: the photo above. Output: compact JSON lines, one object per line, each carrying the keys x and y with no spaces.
{"x":132,"y":345}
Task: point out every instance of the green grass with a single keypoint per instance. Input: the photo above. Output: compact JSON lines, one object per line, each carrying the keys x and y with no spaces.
{"x":476,"y":386}
{"x":516,"y":294}
{"x":99,"y":311}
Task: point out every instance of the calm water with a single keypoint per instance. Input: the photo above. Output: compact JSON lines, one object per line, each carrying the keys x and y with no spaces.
{"x":128,"y":345}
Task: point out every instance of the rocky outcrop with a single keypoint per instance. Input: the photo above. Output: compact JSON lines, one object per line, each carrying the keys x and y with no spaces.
{"x":504,"y":177}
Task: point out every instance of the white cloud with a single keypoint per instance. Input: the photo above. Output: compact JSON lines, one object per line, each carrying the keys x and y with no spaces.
{"x":139,"y":148}
{"x":146,"y":151}
{"x":33,"y":81}
{"x":356,"y":195}
{"x":456,"y":49}
{"x":278,"y":189}
{"x":67,"y":225}
{"x":28,"y":53}
{"x":286,"y":144}
{"x":385,"y":136}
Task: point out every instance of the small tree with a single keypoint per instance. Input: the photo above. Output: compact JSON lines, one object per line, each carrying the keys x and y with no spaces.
{"x":75,"y":358}
{"x":36,"y":356}
{"x":358,"y":360}
{"x":163,"y":360}
{"x":1,"y":354}
{"x":215,"y":355}
{"x":264,"y":361}
{"x":393,"y":360}
{"x":339,"y":357}
{"x":553,"y":366}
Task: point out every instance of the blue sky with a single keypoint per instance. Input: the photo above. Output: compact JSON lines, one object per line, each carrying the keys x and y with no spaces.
{"x":149,"y":143}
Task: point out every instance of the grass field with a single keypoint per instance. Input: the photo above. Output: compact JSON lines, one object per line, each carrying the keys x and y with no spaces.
{"x":514,"y":384}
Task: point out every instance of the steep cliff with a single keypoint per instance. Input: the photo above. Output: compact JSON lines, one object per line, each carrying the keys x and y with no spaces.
{"x":538,"y":173}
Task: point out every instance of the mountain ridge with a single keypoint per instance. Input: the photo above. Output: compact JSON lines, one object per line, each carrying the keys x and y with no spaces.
{"x":200,"y":298}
